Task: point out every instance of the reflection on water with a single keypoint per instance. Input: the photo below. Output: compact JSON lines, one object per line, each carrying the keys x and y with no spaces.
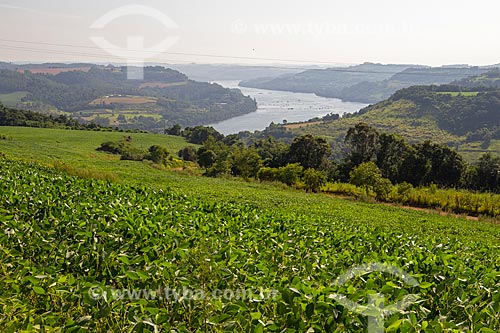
{"x":279,"y":106}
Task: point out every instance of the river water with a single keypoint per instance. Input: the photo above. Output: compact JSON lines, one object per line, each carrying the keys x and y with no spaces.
{"x":279,"y":106}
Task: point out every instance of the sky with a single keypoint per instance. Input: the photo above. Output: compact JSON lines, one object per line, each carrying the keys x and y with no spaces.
{"x":324,"y":32}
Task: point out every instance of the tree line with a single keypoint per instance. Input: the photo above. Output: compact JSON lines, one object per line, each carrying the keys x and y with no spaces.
{"x":382,"y":158}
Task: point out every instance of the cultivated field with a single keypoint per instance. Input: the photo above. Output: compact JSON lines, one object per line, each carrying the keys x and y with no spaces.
{"x":73,"y":250}
{"x":123,"y":100}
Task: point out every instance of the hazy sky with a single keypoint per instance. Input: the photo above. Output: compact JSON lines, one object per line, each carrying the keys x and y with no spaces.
{"x":426,"y":32}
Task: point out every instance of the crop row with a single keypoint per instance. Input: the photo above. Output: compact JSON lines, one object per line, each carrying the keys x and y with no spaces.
{"x":64,"y":237}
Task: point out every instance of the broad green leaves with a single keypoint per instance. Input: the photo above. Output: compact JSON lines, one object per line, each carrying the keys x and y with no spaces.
{"x":67,"y":243}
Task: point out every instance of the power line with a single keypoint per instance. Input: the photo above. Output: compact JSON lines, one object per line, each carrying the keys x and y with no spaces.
{"x":94,"y":55}
{"x":175,"y":53}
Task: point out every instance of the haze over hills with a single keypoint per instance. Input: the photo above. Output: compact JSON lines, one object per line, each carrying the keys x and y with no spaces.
{"x":366,"y":83}
{"x":327,"y":82}
{"x":226,"y":72}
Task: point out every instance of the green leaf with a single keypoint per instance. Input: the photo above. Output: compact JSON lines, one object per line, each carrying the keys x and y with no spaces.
{"x":39,"y":290}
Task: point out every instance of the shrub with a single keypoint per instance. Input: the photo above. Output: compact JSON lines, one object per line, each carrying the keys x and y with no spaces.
{"x":290,"y":173}
{"x":206,"y":157}
{"x":267,"y":174}
{"x":314,"y":179}
{"x":158,"y":154}
{"x":187,"y":154}
{"x":112,"y":147}
{"x":368,"y":176}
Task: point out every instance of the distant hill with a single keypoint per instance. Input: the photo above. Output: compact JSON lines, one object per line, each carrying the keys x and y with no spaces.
{"x":489,"y":79}
{"x":366,"y":83}
{"x":372,"y":92}
{"x":225,"y":72}
{"x":103,"y":94}
{"x":464,"y":118}
{"x":327,"y":82}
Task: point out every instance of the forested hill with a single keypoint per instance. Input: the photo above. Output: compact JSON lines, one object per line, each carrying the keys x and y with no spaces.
{"x":366,"y":83}
{"x":489,"y":79}
{"x":327,"y":82}
{"x":104,"y":95}
{"x":372,"y":92}
{"x":467,"y":119}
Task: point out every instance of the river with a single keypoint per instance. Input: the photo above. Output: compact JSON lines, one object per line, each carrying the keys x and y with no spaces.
{"x":279,"y":106}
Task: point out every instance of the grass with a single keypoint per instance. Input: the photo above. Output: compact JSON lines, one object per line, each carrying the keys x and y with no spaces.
{"x":77,"y":149}
{"x":12,"y":99}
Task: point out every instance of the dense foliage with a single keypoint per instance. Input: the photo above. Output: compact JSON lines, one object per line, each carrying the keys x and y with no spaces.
{"x":458,"y":113}
{"x":175,"y":98}
{"x":13,"y":117}
{"x":66,"y":241}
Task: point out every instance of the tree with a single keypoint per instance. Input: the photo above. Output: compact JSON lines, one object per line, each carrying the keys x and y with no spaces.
{"x":488,"y":173}
{"x":187,"y":154}
{"x":314,"y":179}
{"x":362,"y":142}
{"x":446,"y":165}
{"x":290,"y":173}
{"x":174,"y":130}
{"x":200,"y":134}
{"x":414,"y":167}
{"x":309,"y":151}
{"x":206,"y":157}
{"x":158,"y":154}
{"x":267,"y":174}
{"x":272,"y":152}
{"x":368,"y":176}
{"x":390,"y":155}
{"x":245,"y":162}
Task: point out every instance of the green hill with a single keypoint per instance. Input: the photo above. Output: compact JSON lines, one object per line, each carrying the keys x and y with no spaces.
{"x":103,"y":95}
{"x":461,"y":117}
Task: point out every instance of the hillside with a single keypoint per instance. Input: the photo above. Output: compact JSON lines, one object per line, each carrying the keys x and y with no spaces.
{"x":226,"y":72}
{"x":165,"y":229}
{"x":105,"y":96}
{"x":489,"y":79}
{"x":372,"y":92}
{"x":326,"y":82}
{"x":366,"y":83}
{"x":467,"y":119}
